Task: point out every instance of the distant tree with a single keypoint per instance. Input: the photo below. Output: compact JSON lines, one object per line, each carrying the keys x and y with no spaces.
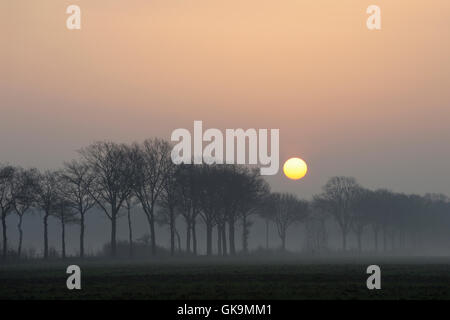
{"x":46,"y":201}
{"x":112,"y":167}
{"x":152,"y":165}
{"x":63,"y":211}
{"x":338,"y":198}
{"x":316,"y":240}
{"x":129,"y":204}
{"x":386,"y":205}
{"x":414,"y":214}
{"x":361,"y":216}
{"x":7,"y":174}
{"x":25,"y":188}
{"x":189,"y":189}
{"x":379,"y":204}
{"x":232,"y":180}
{"x":316,"y":230}
{"x":169,"y":201}
{"x":265,"y":211}
{"x":223,"y":207}
{"x":251,"y":191}
{"x":210,"y":200}
{"x":287,"y":210}
{"x":78,"y":181}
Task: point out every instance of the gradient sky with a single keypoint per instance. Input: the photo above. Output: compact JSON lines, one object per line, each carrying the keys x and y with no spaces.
{"x":371,"y":104}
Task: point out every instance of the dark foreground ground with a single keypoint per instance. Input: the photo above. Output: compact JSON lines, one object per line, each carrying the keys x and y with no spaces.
{"x":402,"y":278}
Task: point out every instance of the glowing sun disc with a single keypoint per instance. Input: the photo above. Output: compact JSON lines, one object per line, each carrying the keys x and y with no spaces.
{"x":295,"y":168}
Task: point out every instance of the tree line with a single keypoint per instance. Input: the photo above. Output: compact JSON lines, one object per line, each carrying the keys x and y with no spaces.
{"x":114,"y":178}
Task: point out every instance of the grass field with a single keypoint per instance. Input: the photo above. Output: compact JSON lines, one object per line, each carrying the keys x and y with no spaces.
{"x":421,"y":278}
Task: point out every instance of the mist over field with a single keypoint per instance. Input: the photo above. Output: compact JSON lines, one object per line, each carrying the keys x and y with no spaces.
{"x":97,"y":235}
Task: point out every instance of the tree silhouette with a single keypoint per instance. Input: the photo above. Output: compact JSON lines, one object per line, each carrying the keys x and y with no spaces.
{"x":6,"y":200}
{"x":286,"y":210}
{"x":338,"y":198}
{"x":111,"y":169}
{"x":25,"y":188}
{"x":152,"y":165}
{"x":46,"y":200}
{"x":77,"y":181}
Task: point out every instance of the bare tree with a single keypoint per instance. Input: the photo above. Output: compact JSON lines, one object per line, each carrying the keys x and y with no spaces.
{"x":112,"y":168}
{"x":26,"y":186}
{"x":129,"y":204}
{"x":189,"y":189}
{"x":7,"y":174}
{"x":338,"y":198}
{"x":169,"y":202}
{"x":78,"y":181}
{"x":286,"y":210}
{"x":46,"y":200}
{"x":64,"y":212}
{"x":382,"y":212}
{"x":252,"y":191}
{"x":316,"y":231}
{"x":210,"y":200}
{"x":361,"y":214}
{"x":152,"y":164}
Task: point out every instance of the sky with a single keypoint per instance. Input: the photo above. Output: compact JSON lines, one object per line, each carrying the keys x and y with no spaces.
{"x":349,"y":101}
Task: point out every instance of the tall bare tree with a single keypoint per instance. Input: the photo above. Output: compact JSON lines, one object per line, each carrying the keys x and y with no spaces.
{"x":129,"y":204}
{"x":26,"y":186}
{"x":338,"y":198}
{"x":189,"y":190}
{"x":112,"y":168}
{"x":77,"y":181}
{"x":64,"y":212}
{"x":252,"y":191}
{"x":232,"y":180}
{"x":361,"y":214}
{"x":46,"y":200}
{"x":7,"y":174}
{"x":152,"y":164}
{"x":169,"y":203}
{"x":286,"y":210}
{"x":316,"y":231}
{"x":210,"y":200}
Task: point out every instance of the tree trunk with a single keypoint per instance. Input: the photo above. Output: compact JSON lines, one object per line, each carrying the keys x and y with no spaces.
{"x":113,"y":234}
{"x":172,"y":232}
{"x":358,"y":236}
{"x":5,"y":238}
{"x":375,"y":234}
{"x":208,"y":238}
{"x":344,"y":239}
{"x":194,"y":237}
{"x":19,"y":227}
{"x":152,"y":232}
{"x":231,"y":224}
{"x":63,"y":238}
{"x":219,"y":241}
{"x":384,"y":239}
{"x":392,"y":240}
{"x":46,"y":235}
{"x":178,"y":240}
{"x":283,"y":240}
{"x":188,"y":236}
{"x":224,"y":241}
{"x":244,"y":234}
{"x":267,"y":234}
{"x":82,"y":236}
{"x":130,"y":233}
{"x":151,"y":225}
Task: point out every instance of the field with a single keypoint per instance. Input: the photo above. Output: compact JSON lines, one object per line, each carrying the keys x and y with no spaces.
{"x":402,"y":278}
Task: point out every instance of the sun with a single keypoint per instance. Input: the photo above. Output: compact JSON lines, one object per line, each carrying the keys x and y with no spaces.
{"x":295,"y":168}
